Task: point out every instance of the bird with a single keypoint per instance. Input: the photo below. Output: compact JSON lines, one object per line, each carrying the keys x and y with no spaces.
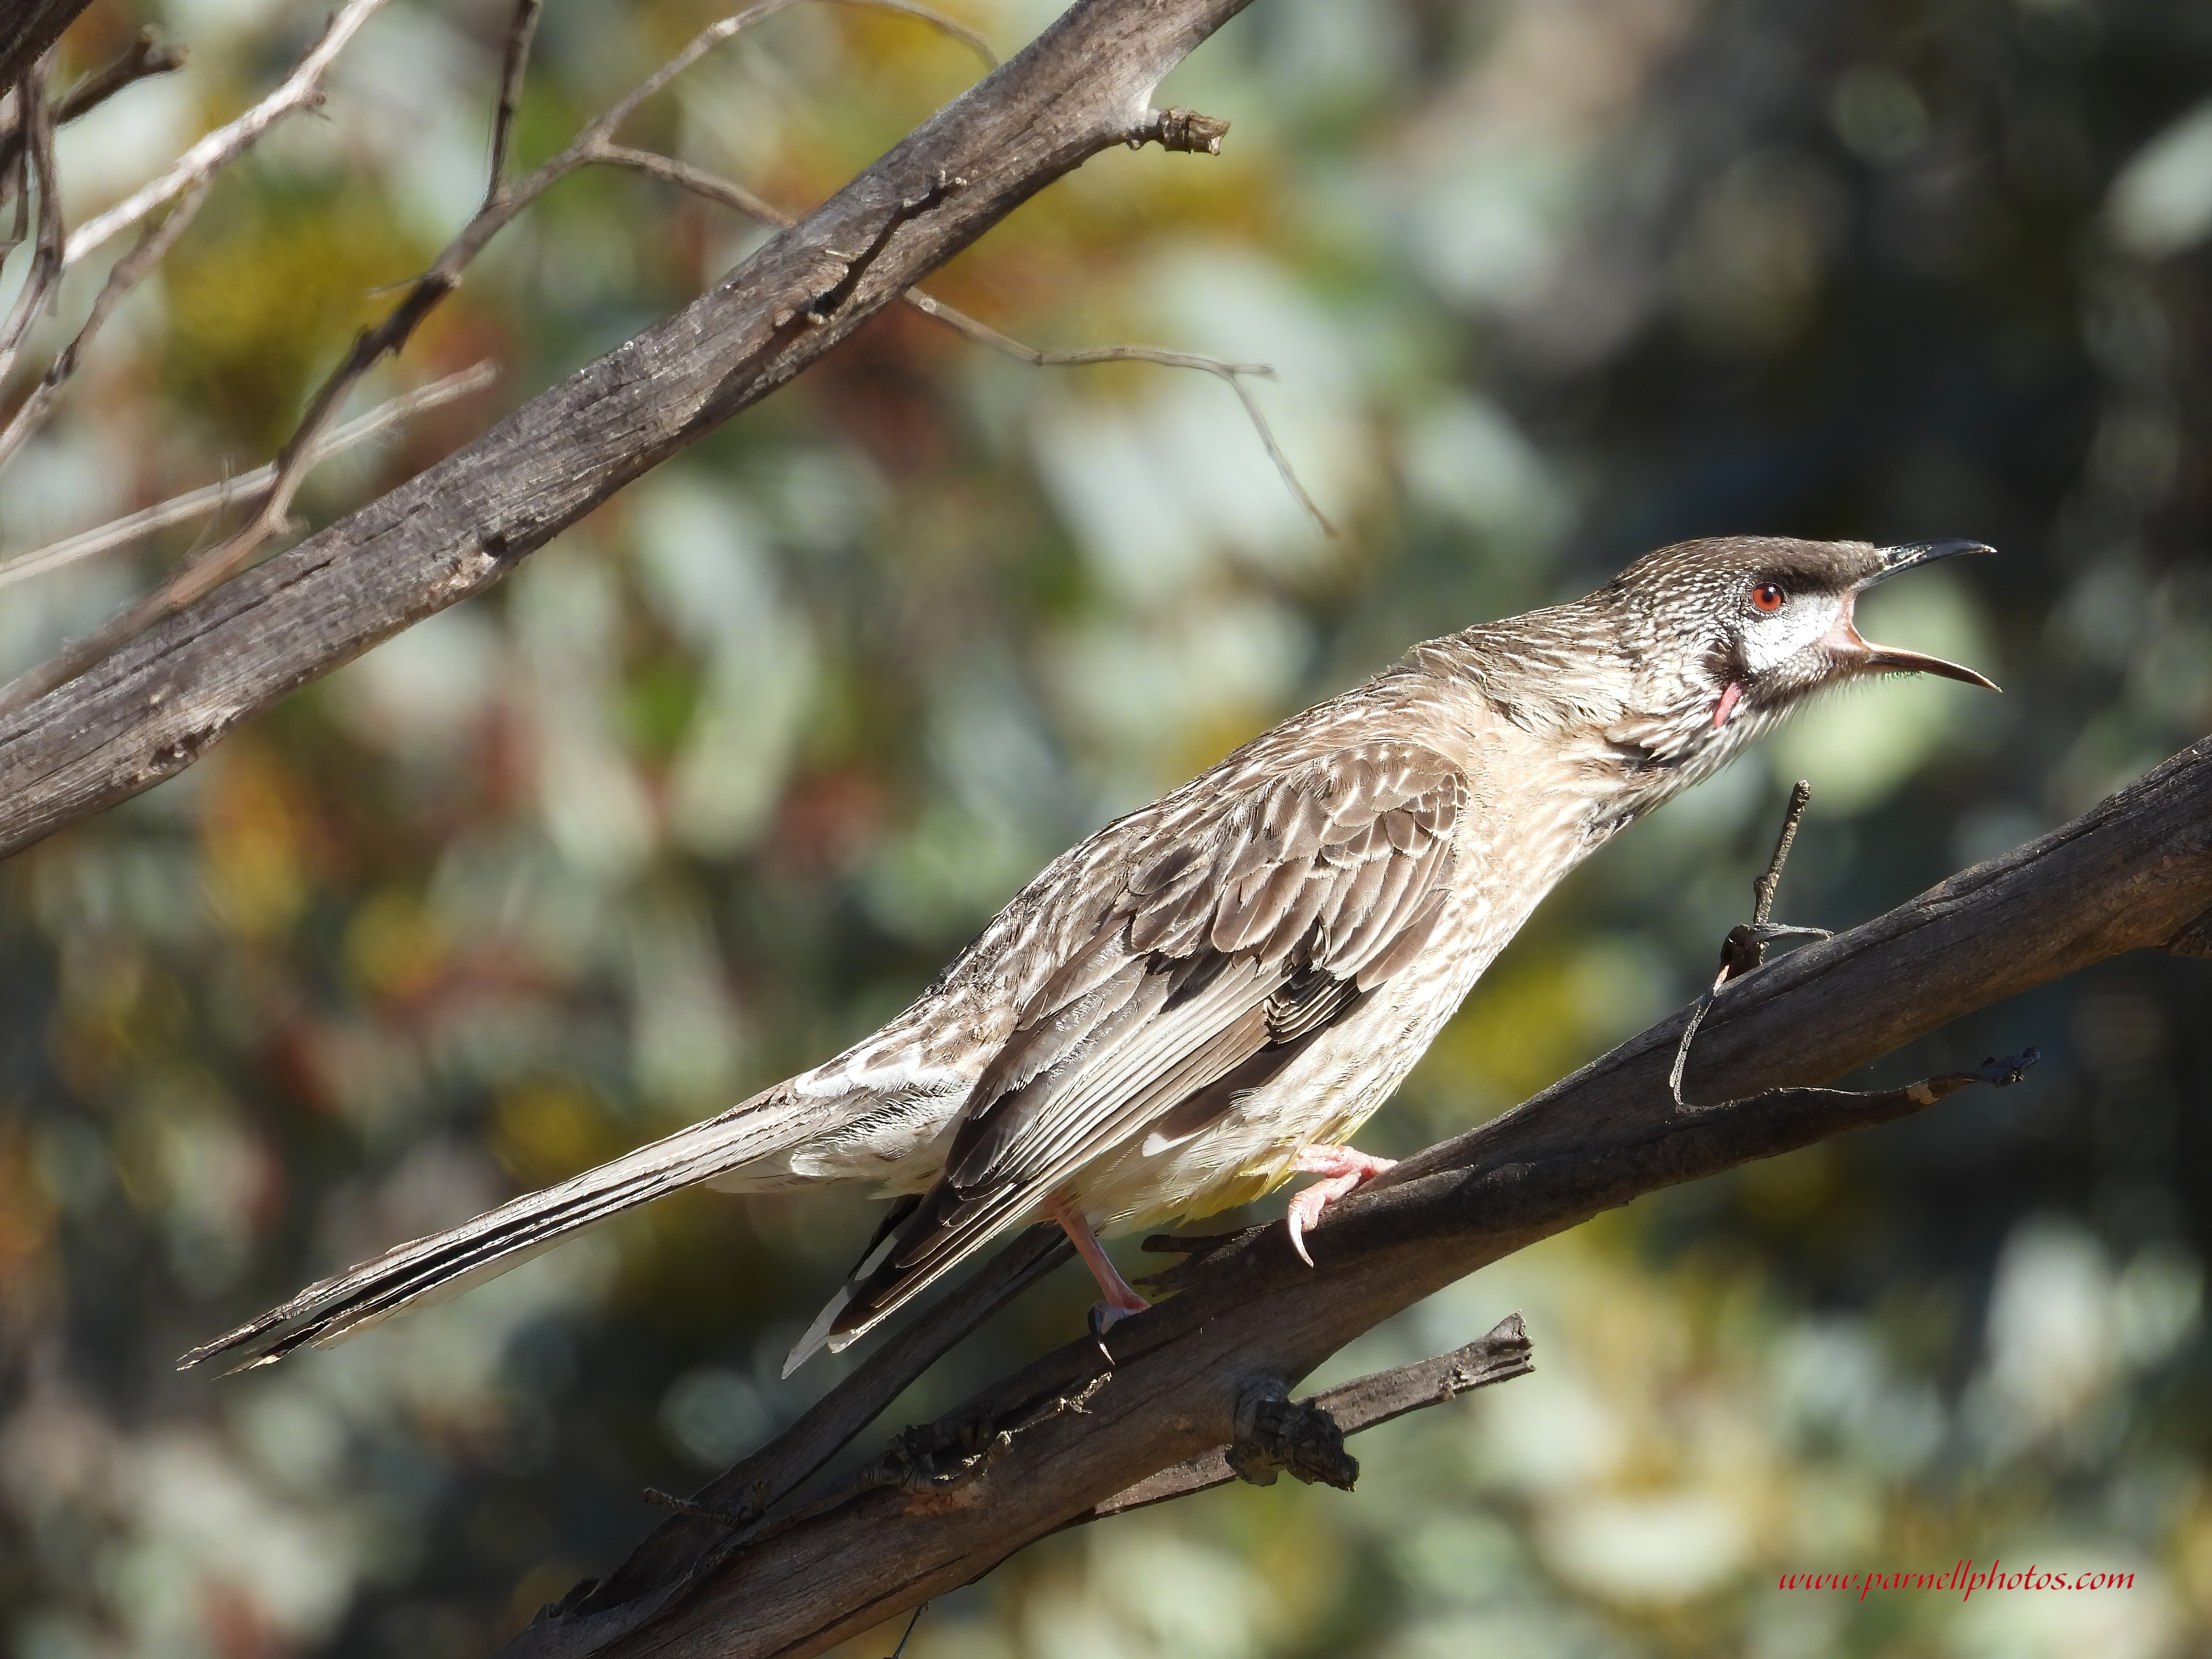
{"x":1211,"y":995}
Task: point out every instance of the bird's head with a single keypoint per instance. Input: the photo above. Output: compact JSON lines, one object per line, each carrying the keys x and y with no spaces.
{"x":1732,"y":632}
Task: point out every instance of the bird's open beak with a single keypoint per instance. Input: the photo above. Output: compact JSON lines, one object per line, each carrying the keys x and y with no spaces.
{"x":1849,"y":647}
{"x":1912,"y":555}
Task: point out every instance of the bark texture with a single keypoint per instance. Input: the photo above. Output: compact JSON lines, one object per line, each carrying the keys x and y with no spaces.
{"x":156,"y":706}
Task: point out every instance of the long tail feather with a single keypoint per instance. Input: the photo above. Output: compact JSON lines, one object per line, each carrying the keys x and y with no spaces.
{"x":430,"y":1269}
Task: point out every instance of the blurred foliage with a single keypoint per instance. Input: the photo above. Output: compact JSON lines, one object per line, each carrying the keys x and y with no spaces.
{"x":721,"y":778}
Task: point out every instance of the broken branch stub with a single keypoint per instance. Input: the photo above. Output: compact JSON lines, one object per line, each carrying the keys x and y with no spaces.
{"x":1182,"y":130}
{"x":1499,"y":1356}
{"x":1277,"y":1435}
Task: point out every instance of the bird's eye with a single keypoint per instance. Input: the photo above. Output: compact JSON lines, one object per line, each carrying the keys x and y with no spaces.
{"x":1768,"y":598}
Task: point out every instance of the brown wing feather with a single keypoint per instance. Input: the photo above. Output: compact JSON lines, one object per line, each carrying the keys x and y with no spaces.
{"x":1217,"y":957}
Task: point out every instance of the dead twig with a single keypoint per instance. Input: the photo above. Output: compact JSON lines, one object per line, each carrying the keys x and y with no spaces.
{"x":697,"y":180}
{"x":971,"y":38}
{"x":513,"y":64}
{"x":144,"y":57}
{"x":503,"y":202}
{"x":716,"y":189}
{"x":1745,"y":947}
{"x":1499,"y":1356}
{"x":247,"y":487}
{"x":14,"y":181}
{"x":188,"y":184}
{"x":301,"y":89}
{"x":1234,"y":375}
{"x":461,"y":525}
{"x":154,"y":244}
{"x":45,"y":273}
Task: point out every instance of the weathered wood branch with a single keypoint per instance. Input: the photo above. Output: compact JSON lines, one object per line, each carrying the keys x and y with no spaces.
{"x":151,"y":709}
{"x":248,"y":487}
{"x":2136,"y":873}
{"x":211,"y":567}
{"x":147,"y":55}
{"x":1366,"y":1403}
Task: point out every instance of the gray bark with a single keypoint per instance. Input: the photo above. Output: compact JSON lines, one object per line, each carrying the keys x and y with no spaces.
{"x":154,"y":707}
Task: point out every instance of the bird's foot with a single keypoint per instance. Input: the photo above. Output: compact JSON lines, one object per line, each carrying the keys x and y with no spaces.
{"x":1745,"y":948}
{"x":1343,"y":1168}
{"x":1120,"y":1301}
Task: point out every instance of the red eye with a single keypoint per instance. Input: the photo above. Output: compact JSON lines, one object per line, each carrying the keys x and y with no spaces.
{"x":1768,"y":598}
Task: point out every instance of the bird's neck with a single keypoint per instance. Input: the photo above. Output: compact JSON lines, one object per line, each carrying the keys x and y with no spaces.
{"x":1629,"y":710}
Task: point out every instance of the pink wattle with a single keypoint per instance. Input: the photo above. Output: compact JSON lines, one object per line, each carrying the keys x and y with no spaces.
{"x":1726,"y":706}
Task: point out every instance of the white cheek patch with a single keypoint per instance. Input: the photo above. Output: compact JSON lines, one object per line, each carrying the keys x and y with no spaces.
{"x":1770,"y":641}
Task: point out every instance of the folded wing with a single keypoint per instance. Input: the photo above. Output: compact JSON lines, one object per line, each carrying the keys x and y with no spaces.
{"x":1215,"y":953}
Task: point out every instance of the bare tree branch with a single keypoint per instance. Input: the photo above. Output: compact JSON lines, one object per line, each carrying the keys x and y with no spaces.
{"x":1248,"y":1318}
{"x":301,"y":89}
{"x":154,"y":244}
{"x":971,"y":38}
{"x":149,"y":710}
{"x":515,"y":63}
{"x":247,"y":487}
{"x":15,"y":181}
{"x":701,"y":1532}
{"x":1232,"y":375}
{"x":1369,"y":1402}
{"x":697,"y":180}
{"x":188,"y":184}
{"x":144,"y":57}
{"x":216,"y":566}
{"x":45,"y":273}
{"x":703,"y":183}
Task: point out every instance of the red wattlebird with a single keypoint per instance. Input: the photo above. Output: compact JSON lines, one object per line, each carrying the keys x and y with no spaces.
{"x":1211,"y":995}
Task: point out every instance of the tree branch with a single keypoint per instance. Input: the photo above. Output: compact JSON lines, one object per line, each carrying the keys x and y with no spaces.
{"x":145,"y":55}
{"x":301,"y":89}
{"x":701,"y":1536}
{"x":150,"y":709}
{"x":186,"y":184}
{"x":154,"y":244}
{"x":247,"y":487}
{"x":716,"y":189}
{"x":45,"y":273}
{"x":1019,"y":1460}
{"x":515,"y":63}
{"x":502,"y":203}
{"x":1356,"y":1407}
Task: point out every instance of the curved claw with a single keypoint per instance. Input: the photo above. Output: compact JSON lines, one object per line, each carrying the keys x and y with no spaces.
{"x":1345,"y":1169}
{"x":1305,"y":1209}
{"x":1105,"y":1315}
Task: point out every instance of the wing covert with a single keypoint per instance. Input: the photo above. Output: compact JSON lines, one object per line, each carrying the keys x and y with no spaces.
{"x":1220,"y":948}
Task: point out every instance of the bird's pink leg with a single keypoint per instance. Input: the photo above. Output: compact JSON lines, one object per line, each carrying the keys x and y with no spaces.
{"x":1120,"y":1301}
{"x":1344,"y":1168}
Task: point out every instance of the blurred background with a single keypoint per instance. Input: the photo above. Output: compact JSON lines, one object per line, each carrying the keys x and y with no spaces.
{"x":720,"y":779}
